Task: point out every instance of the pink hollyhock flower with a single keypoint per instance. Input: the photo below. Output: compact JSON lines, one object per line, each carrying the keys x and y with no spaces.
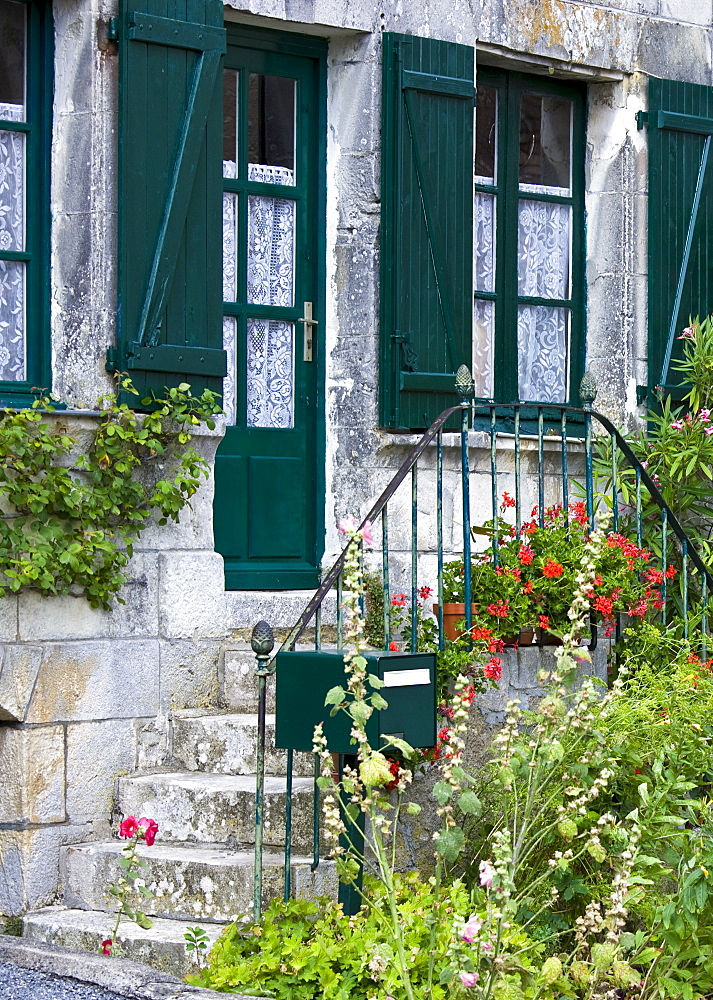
{"x":347,"y":525}
{"x":150,"y":829}
{"x":128,"y":827}
{"x":486,"y":874}
{"x":469,"y":979}
{"x":106,"y":946}
{"x":471,"y":929}
{"x":366,"y":533}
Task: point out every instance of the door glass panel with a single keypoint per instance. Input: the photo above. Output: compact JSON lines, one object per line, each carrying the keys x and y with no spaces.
{"x":12,"y":190}
{"x":546,"y":143}
{"x":12,"y":60}
{"x":12,"y":321}
{"x":271,"y":251}
{"x":271,"y":122}
{"x":230,"y":344}
{"x":484,"y":242}
{"x":230,"y":122}
{"x":543,"y":249}
{"x":483,"y":341}
{"x":486,"y":135}
{"x":542,"y":347}
{"x":230,"y":220}
{"x":271,"y":366}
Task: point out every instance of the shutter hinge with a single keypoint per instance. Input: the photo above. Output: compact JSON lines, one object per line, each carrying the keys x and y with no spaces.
{"x":112,"y":31}
{"x":113,"y":359}
{"x":642,"y":118}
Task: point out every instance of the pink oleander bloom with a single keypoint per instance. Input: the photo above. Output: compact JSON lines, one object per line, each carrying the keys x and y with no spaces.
{"x":366,"y":533}
{"x":708,"y":431}
{"x":149,"y":828}
{"x":471,"y":929}
{"x":644,"y":465}
{"x":469,"y":979}
{"x":677,"y":425}
{"x":128,"y":827}
{"x":486,"y":874}
{"x":704,"y":416}
{"x":688,"y":333}
{"x":347,"y":526}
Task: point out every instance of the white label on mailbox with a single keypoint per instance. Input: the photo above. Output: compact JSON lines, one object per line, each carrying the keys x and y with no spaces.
{"x":406,"y":678}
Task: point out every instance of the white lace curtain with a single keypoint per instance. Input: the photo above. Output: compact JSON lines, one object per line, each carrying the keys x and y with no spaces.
{"x":12,"y":237}
{"x":270,"y":281}
{"x":543,"y":266}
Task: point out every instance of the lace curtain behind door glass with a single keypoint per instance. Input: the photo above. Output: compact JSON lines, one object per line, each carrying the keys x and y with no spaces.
{"x":12,"y":237}
{"x":270,"y":281}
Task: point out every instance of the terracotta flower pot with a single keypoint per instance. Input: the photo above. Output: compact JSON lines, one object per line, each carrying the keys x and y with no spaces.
{"x":452,"y":613}
{"x":545,"y":638}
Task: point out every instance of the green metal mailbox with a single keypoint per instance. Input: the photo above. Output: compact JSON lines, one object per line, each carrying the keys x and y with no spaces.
{"x":303,"y":679}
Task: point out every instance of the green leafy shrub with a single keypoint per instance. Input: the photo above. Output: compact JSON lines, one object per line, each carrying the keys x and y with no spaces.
{"x":68,"y":522}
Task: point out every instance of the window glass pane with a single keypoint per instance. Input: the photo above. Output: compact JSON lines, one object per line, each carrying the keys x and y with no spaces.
{"x":271,"y":363}
{"x":230,"y":347}
{"x":483,"y":345}
{"x":12,"y":60}
{"x":271,"y":122}
{"x":271,"y":251}
{"x":12,"y":321}
{"x":484,"y":233}
{"x":546,"y":141}
{"x":542,"y":348}
{"x":543,"y":249}
{"x":230,"y":219}
{"x":486,"y":135}
{"x":12,"y":191}
{"x":230,"y":122}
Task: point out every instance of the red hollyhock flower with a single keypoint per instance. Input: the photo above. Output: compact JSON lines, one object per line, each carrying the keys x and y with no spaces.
{"x":128,"y":827}
{"x":399,"y":600}
{"x":150,"y":828}
{"x":493,"y":669}
{"x":106,"y":946}
{"x":552,"y":569}
{"x":395,"y":769}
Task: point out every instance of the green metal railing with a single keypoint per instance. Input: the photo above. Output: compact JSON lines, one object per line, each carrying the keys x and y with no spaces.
{"x":557,"y":436}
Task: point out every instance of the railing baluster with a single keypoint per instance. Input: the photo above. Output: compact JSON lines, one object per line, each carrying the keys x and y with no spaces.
{"x":439,"y":535}
{"x":588,"y":473}
{"x":385,"y":575}
{"x":414,"y":559}
{"x":518,"y":483}
{"x":493,"y":483}
{"x":465,"y":489}
{"x":540,"y":467}
{"x":664,"y":547}
{"x":288,"y":827}
{"x":639,"y":524}
{"x":684,"y":586}
{"x":315,"y":815}
{"x":565,"y":474}
{"x":340,"y":614}
{"x":704,"y":618}
{"x":614,"y":485}
{"x":318,"y":618}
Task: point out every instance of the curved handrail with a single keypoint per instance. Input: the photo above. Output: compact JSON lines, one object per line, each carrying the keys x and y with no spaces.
{"x":403,"y":470}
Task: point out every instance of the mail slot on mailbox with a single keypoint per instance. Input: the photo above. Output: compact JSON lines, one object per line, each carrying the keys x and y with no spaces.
{"x":303,"y":679}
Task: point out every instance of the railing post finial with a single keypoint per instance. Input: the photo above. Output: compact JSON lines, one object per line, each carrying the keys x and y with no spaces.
{"x":465,"y":387}
{"x":587,"y":390}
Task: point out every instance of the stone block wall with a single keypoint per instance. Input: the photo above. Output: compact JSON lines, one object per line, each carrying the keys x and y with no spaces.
{"x":85,"y":693}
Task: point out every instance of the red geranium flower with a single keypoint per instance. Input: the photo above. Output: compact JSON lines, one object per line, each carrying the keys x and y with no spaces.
{"x":526,"y":554}
{"x":552,"y":569}
{"x":394,"y":647}
{"x":500,"y":609}
{"x":493,"y":669}
{"x":425,"y":592}
{"x":399,"y":600}
{"x":128,"y":827}
{"x":508,"y":500}
{"x":544,"y":621}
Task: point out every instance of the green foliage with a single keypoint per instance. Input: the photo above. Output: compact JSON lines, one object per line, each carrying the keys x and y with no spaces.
{"x":68,"y":521}
{"x":304,"y":950}
{"x":197,"y":942}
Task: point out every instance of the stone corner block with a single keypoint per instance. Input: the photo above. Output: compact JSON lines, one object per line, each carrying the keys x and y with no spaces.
{"x":29,"y":862}
{"x":8,"y":618}
{"x":192,"y":595}
{"x":84,"y":681}
{"x":32,"y":779}
{"x":19,"y":667}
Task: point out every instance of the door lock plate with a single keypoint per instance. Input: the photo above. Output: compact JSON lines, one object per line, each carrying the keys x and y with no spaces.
{"x":309,"y":322}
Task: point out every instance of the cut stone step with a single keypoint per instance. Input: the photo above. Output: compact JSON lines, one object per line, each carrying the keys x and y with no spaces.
{"x":189,"y":883}
{"x":195,"y":807}
{"x":163,"y":946}
{"x":227,"y":744}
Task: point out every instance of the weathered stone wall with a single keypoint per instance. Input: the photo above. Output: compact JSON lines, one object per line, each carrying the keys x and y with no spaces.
{"x":85,"y":693}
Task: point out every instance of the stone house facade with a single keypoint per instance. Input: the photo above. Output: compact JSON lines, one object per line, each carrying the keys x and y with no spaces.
{"x":376,"y":232}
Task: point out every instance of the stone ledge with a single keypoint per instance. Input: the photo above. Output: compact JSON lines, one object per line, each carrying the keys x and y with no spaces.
{"x":120,"y":975}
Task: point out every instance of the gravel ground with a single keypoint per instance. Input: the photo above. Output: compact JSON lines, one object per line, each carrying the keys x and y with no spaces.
{"x":25,"y":984}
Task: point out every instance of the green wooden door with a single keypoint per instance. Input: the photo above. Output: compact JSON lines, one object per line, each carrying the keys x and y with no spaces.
{"x":269,"y":469}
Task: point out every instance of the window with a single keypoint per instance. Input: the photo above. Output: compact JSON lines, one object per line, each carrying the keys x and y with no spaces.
{"x":528,"y":238}
{"x":25,"y":91}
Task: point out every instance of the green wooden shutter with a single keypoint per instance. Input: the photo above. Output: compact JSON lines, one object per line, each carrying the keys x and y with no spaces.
{"x":426,"y":226}
{"x":170,"y":185}
{"x":680,"y":126}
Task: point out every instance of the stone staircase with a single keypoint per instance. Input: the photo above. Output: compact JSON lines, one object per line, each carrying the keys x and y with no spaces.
{"x":200,"y":868}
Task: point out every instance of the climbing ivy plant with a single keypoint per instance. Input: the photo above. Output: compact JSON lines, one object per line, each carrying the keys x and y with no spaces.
{"x":68,"y":521}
